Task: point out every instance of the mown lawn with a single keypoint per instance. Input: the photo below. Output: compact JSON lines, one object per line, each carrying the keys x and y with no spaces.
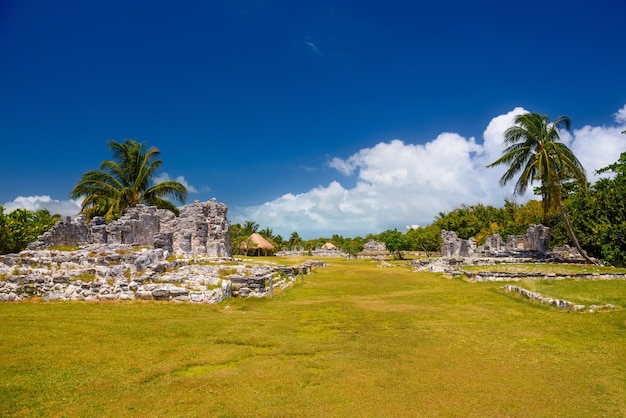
{"x":350,"y":340}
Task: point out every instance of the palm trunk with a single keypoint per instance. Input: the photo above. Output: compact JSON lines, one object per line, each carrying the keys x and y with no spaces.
{"x":582,"y":252}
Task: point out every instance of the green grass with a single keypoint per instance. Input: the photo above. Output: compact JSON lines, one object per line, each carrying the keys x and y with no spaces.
{"x":350,"y":340}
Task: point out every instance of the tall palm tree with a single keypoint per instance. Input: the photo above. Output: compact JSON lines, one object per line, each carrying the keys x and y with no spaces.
{"x":267,"y":232}
{"x":126,"y":181}
{"x":294,"y":240}
{"x":250,"y":227}
{"x":534,"y":150}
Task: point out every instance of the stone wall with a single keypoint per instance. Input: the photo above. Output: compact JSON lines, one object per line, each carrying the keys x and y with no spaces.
{"x":374,"y":246}
{"x":453,"y":246}
{"x":123,"y":272}
{"x":201,"y":228}
{"x":559,"y":303}
{"x":535,"y":240}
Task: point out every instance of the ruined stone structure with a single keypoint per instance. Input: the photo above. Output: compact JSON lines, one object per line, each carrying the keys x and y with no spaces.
{"x":374,"y":246}
{"x":453,"y":246}
{"x":201,"y":228}
{"x":535,"y":240}
{"x":124,"y":272}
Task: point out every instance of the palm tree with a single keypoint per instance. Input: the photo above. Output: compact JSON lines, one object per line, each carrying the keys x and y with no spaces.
{"x":267,"y":233}
{"x":294,"y":240}
{"x":126,"y":181}
{"x":250,"y":227}
{"x":535,"y":150}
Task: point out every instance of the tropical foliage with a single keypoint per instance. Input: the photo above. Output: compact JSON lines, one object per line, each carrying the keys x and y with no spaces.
{"x":534,"y":151}
{"x":395,"y":241}
{"x":126,"y":181}
{"x":598,"y":214}
{"x":20,"y":227}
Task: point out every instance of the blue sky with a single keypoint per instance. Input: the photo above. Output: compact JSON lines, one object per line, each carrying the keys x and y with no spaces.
{"x":320,"y":117}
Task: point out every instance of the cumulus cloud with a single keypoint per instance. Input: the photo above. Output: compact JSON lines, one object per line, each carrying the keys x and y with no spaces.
{"x":620,"y":116}
{"x":599,"y":146}
{"x":34,"y":203}
{"x":181,"y":179}
{"x":399,"y":183}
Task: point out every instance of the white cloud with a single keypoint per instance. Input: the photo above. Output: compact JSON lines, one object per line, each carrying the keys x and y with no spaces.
{"x":400,"y":183}
{"x":620,"y":116}
{"x":181,"y":179}
{"x":34,"y":203}
{"x":72,"y":207}
{"x":599,"y":146}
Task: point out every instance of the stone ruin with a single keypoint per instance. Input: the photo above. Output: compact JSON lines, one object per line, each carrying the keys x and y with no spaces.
{"x":536,"y":241}
{"x":201,"y":228}
{"x":374,"y":246}
{"x":129,"y":259}
{"x":453,"y":246}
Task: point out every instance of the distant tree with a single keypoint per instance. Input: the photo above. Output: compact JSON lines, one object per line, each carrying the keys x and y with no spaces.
{"x":250,"y":227}
{"x":278,"y":241}
{"x":395,"y":242}
{"x":535,"y":152}
{"x":338,"y":241}
{"x":478,"y":221}
{"x":126,"y":181}
{"x":598,"y":214}
{"x":20,"y":227}
{"x":427,"y":238}
{"x":267,"y":233}
{"x":353,"y":246}
{"x":294,"y":240}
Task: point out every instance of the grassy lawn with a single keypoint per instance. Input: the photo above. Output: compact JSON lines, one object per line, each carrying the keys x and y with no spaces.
{"x":350,"y":340}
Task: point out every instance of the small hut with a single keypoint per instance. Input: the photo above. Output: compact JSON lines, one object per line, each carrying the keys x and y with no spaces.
{"x":329,"y":246}
{"x":256,"y":242}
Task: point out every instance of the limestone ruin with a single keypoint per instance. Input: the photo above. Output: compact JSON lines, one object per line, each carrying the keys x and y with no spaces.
{"x":374,"y":246}
{"x":201,"y":228}
{"x":536,"y":241}
{"x":131,"y":258}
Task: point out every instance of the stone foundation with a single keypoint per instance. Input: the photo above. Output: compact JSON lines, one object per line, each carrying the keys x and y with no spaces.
{"x":122,"y":272}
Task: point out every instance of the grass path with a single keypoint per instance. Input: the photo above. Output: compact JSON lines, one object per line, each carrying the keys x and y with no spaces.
{"x":351,"y":340}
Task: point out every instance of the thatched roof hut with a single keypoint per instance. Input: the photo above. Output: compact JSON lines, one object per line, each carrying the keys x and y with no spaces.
{"x":256,"y":242}
{"x":329,"y":246}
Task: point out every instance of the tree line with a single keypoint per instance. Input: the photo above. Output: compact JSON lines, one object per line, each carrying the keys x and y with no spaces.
{"x":20,"y":227}
{"x":591,"y":217}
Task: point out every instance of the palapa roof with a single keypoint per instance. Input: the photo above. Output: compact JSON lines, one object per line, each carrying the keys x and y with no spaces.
{"x":329,"y":246}
{"x":258,"y":241}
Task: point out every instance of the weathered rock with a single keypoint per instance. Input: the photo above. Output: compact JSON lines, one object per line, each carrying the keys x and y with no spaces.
{"x":123,"y":272}
{"x":536,"y":238}
{"x":535,"y":242}
{"x":374,"y":246}
{"x":453,"y":246}
{"x":201,"y":228}
{"x":161,"y":294}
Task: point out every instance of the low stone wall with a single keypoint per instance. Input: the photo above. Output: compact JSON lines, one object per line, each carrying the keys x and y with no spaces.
{"x":559,"y":303}
{"x":453,"y":267}
{"x":121,"y":272}
{"x":486,"y":276}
